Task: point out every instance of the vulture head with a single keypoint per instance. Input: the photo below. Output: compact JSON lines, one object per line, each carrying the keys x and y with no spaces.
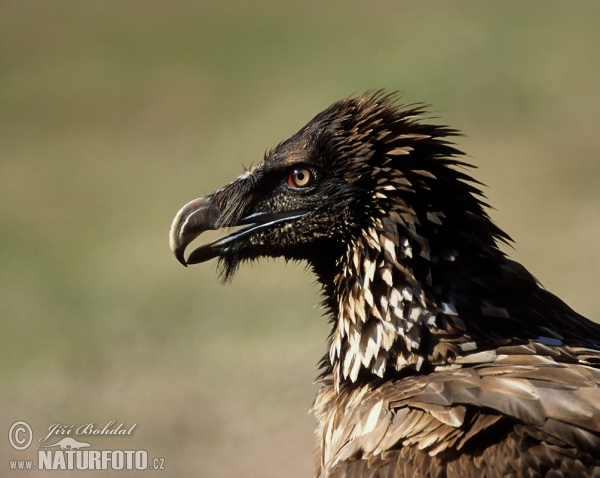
{"x":365,"y":165}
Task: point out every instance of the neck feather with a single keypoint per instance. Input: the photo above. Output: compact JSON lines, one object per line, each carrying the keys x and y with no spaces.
{"x":387,"y":317}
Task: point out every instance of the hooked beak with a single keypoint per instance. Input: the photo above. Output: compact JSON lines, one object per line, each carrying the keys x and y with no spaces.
{"x":201,"y":215}
{"x":192,"y":220}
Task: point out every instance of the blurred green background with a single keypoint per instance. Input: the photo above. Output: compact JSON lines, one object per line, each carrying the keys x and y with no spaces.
{"x":114,"y":114}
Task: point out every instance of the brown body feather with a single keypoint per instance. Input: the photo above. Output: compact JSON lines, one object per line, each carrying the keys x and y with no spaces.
{"x":445,"y":357}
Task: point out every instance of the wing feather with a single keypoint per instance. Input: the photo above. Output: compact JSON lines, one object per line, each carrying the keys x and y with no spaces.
{"x":470,"y":422}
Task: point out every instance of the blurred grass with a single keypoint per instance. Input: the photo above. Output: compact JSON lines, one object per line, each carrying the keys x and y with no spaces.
{"x":114,"y":114}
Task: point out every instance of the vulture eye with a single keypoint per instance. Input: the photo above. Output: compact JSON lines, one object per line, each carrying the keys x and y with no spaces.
{"x":300,"y":177}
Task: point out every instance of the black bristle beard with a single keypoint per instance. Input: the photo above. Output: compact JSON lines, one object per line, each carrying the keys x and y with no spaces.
{"x":227,"y":267}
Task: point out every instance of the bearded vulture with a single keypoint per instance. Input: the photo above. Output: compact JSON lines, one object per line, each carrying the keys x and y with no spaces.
{"x":446,"y":358}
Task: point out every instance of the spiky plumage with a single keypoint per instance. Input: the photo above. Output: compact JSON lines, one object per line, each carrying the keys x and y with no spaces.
{"x":445,"y":357}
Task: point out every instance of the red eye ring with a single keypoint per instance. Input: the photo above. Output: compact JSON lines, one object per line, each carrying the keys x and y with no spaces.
{"x":300,"y":177}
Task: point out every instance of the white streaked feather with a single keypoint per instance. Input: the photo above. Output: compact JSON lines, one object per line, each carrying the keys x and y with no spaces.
{"x":373,"y":417}
{"x":448,"y":309}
